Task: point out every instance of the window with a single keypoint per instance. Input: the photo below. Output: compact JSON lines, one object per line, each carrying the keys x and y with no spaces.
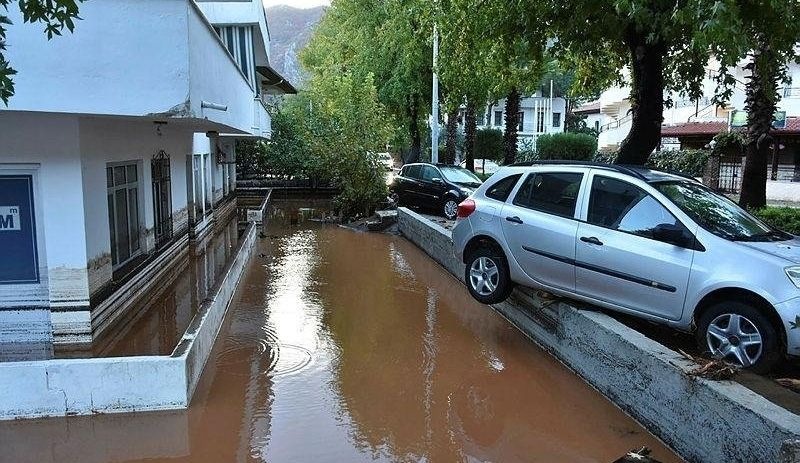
{"x":621,"y":206}
{"x":479,"y":118}
{"x":597,"y":126}
{"x":239,"y":42}
{"x":429,"y":173}
{"x":551,"y":192}
{"x":556,"y":119}
{"x":122,"y":182}
{"x":521,"y":119}
{"x":498,"y":118}
{"x":412,"y":171}
{"x":502,"y":188}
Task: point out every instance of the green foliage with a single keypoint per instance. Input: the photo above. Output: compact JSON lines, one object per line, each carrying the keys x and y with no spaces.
{"x":56,"y":15}
{"x":572,"y":146}
{"x":605,"y":156}
{"x":689,"y":162}
{"x":783,"y":218}
{"x":489,"y":144}
{"x":730,"y":143}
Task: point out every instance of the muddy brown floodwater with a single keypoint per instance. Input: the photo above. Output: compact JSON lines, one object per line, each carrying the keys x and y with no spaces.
{"x":342,"y":346}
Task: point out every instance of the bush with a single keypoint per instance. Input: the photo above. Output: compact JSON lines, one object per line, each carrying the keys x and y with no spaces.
{"x":689,"y":162}
{"x":783,"y":218}
{"x":572,"y":146}
{"x":489,"y":144}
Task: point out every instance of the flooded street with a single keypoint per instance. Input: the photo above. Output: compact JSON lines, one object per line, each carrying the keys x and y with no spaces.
{"x":342,"y":346}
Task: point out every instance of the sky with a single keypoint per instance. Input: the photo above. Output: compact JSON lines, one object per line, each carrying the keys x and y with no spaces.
{"x":297,"y":3}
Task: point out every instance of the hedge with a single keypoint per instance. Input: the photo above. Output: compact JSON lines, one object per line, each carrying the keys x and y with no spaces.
{"x":572,"y":146}
{"x":783,"y":218}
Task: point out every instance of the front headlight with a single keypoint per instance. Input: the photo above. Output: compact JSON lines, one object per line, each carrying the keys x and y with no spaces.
{"x":794,"y":274}
{"x":467,"y":192}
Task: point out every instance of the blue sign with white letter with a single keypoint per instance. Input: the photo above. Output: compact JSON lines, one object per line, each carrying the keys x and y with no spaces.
{"x":19,"y":262}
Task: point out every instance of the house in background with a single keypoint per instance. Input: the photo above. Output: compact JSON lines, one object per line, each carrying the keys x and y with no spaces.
{"x":538,"y":115}
{"x":117,"y":149}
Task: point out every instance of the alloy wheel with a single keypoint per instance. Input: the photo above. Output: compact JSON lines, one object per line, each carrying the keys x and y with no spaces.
{"x":450,"y":209}
{"x":484,"y":276}
{"x":733,"y":336}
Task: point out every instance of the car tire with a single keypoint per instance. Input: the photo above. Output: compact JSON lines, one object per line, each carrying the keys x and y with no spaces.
{"x":488,"y":265}
{"x":450,"y":208}
{"x":739,"y":333}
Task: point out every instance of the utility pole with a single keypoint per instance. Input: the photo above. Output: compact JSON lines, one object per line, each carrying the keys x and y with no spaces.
{"x":435,"y":100}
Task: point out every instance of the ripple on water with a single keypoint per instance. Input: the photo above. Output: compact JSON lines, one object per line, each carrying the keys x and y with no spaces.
{"x":266,"y":357}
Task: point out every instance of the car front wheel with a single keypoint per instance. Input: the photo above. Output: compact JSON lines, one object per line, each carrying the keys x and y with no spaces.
{"x":487,"y":276}
{"x":739,"y":333}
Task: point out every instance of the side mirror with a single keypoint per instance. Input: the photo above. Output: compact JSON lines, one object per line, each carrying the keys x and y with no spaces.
{"x":437,"y":180}
{"x":673,"y":234}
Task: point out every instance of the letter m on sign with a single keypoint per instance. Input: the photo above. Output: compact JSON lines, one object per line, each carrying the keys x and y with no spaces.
{"x":9,"y":218}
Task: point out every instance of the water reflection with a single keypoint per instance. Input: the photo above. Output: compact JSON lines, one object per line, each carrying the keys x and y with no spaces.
{"x":341,"y":346}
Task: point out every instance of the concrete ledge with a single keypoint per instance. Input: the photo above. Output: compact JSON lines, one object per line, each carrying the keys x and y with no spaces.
{"x":704,"y":421}
{"x":59,"y":387}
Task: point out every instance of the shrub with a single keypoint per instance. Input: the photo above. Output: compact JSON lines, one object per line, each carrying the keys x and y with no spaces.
{"x":489,"y":144}
{"x":572,"y":146}
{"x":689,"y":162}
{"x":783,"y":218}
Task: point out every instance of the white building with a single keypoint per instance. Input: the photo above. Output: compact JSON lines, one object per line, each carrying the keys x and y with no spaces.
{"x":538,"y":115}
{"x":117,"y":148}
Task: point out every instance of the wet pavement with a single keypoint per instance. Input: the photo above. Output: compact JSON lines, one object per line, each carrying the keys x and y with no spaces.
{"x":343,"y":346}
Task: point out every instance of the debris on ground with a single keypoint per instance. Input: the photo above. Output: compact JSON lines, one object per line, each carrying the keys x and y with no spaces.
{"x":789,"y":383}
{"x":637,"y":456}
{"x":717,"y":370}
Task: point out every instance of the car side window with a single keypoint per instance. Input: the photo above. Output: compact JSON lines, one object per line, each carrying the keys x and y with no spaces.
{"x":552,"y":192}
{"x":429,"y":173}
{"x":412,"y":171}
{"x":502,"y":188}
{"x":625,"y":207}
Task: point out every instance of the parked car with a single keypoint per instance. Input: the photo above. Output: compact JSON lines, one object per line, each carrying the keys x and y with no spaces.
{"x":652,"y":244}
{"x":484,"y":166}
{"x":440,"y":187}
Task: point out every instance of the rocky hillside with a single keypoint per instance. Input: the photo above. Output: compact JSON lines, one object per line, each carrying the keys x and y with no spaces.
{"x":289,"y":29}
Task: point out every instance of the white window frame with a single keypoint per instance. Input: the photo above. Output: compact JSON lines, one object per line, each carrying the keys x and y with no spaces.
{"x":139,"y":211}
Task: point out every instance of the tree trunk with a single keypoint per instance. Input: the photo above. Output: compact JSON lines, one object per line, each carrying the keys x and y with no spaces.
{"x":470,"y":127}
{"x":412,"y":110}
{"x":450,"y":141}
{"x":512,"y":124}
{"x":647,"y":98}
{"x":761,"y":96}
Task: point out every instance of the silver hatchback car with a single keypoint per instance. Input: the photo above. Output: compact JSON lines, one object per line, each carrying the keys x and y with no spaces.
{"x":648,"y":243}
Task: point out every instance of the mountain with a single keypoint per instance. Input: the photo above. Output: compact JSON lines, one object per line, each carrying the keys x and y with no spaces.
{"x":289,"y":30}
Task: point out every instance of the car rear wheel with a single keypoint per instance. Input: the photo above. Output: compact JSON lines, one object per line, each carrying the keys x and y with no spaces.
{"x":487,"y":277}
{"x":739,"y":333}
{"x":450,"y":208}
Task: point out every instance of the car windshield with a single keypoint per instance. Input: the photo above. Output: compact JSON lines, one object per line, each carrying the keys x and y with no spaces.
{"x":718,"y":214}
{"x":459,"y":175}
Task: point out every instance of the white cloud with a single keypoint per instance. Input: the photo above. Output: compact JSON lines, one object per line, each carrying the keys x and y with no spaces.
{"x":297,"y":3}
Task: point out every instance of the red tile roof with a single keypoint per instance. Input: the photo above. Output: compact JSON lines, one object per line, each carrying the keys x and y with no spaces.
{"x":693,"y":128}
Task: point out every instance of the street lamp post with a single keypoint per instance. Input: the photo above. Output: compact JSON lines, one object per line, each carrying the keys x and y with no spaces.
{"x":435,"y":100}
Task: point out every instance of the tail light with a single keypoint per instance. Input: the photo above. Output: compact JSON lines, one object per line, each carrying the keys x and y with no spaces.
{"x":465,"y":209}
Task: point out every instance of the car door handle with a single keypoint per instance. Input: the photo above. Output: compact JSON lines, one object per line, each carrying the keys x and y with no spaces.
{"x":514,"y":219}
{"x":591,"y":240}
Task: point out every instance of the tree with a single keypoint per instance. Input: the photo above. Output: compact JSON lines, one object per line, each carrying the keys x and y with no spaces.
{"x":56,"y":15}
{"x":765,"y":33}
{"x":389,"y":40}
{"x":651,"y":39}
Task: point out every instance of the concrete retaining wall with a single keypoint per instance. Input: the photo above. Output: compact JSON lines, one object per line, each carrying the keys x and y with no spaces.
{"x":704,"y":421}
{"x":60,"y":387}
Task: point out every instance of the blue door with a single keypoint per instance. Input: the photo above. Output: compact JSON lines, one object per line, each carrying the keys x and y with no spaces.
{"x":19,"y":262}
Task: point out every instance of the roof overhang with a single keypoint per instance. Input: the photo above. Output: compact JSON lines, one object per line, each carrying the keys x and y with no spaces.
{"x":274,"y":82}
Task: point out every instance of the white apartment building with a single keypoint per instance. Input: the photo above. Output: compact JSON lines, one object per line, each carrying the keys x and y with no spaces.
{"x":117,"y":147}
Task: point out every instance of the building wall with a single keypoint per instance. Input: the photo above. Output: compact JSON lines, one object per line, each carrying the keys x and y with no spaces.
{"x":48,"y":145}
{"x":104,"y":141}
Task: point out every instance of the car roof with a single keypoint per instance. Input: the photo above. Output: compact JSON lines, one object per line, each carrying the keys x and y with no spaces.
{"x":640,"y":172}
